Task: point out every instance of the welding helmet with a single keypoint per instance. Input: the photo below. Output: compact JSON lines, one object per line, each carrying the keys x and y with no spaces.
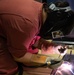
{"x":57,"y":21}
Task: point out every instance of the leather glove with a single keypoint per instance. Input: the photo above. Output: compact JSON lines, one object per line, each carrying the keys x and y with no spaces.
{"x":59,"y":49}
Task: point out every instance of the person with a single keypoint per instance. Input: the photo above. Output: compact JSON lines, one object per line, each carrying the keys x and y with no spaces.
{"x":20,"y":23}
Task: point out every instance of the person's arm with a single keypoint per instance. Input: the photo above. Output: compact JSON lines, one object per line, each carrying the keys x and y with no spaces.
{"x":35,"y":60}
{"x":30,"y":59}
{"x":38,"y":44}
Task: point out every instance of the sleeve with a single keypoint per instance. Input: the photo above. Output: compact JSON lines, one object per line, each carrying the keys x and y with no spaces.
{"x":33,"y":49}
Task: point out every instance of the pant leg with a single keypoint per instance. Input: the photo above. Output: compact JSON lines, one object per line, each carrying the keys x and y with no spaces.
{"x":7,"y":64}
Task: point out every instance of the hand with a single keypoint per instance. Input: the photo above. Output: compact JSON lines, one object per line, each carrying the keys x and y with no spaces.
{"x":54,"y":49}
{"x":47,"y":47}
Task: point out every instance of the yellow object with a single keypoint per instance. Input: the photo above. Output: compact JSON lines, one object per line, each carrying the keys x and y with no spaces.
{"x":38,"y":58}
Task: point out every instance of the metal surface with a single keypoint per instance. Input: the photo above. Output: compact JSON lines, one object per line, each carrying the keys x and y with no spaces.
{"x":64,"y":42}
{"x":67,"y":67}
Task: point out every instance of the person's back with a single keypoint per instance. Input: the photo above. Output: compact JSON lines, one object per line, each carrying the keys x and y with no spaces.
{"x":20,"y":7}
{"x":14,"y":16}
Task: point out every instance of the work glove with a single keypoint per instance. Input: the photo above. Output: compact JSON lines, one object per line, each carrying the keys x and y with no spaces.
{"x":48,"y":47}
{"x":53,"y":49}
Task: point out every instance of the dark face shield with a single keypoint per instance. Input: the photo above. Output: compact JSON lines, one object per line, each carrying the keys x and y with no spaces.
{"x":57,"y":22}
